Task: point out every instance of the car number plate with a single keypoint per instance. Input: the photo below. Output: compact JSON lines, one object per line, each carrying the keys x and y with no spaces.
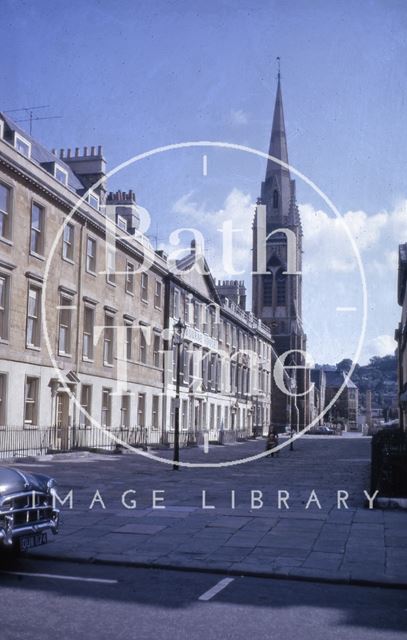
{"x":33,"y":540}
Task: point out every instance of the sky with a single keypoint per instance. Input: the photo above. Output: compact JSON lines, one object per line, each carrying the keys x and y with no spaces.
{"x":136,"y":75}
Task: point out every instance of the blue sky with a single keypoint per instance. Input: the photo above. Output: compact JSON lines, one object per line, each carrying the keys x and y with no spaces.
{"x":137,"y":75}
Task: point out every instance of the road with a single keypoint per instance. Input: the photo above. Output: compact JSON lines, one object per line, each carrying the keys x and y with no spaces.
{"x":41,"y":599}
{"x":297,"y":539}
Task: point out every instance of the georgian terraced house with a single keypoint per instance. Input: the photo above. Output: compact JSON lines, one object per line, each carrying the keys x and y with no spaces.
{"x":85,"y":321}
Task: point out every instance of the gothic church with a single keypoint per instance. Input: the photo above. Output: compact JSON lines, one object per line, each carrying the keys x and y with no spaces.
{"x":277,"y":278}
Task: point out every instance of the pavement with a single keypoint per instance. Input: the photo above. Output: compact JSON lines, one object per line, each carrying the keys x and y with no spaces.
{"x":353,"y":545}
{"x":74,"y":601}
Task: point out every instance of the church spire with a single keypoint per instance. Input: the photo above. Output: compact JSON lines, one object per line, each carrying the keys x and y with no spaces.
{"x":277,"y":190}
{"x":278,"y":140}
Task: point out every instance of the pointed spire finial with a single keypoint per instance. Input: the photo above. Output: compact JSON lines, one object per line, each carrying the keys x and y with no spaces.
{"x":278,"y":67}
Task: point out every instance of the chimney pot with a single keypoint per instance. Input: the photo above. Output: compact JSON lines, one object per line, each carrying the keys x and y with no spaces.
{"x":92,"y":151}
{"x":69,"y":153}
{"x":100,"y":152}
{"x":76,"y":152}
{"x":85,"y":151}
{"x":61,"y":153}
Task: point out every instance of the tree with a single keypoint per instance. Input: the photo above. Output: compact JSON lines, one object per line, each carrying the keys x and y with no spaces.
{"x":344,"y":365}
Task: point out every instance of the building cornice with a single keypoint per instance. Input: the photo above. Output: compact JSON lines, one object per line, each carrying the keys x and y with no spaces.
{"x":83,"y":212}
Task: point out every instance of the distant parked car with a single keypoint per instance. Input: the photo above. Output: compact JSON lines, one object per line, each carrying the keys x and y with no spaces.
{"x":26,"y":509}
{"x":322,"y":431}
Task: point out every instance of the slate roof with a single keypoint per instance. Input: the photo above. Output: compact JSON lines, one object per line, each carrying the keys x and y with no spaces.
{"x":39,"y":154}
{"x":189,"y":260}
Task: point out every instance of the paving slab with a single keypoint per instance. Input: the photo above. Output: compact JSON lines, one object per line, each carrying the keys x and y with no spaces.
{"x":244,"y":541}
{"x":321,"y":560}
{"x":230,"y":522}
{"x":140,"y":528}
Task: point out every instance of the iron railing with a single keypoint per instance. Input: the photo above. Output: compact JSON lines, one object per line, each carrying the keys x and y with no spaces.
{"x":22,"y":442}
{"x":19,"y":442}
{"x":389,"y":463}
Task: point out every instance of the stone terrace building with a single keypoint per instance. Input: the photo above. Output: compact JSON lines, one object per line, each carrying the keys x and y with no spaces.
{"x":226,"y":360}
{"x":91,"y":296}
{"x":85,"y":303}
{"x":345,"y":409}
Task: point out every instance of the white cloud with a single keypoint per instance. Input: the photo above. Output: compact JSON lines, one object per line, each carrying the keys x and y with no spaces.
{"x":187,"y":207}
{"x":330,"y":269}
{"x":327,"y":242}
{"x":381,"y":346}
{"x":238,"y":208}
{"x":331,"y":273}
{"x":238,"y":117}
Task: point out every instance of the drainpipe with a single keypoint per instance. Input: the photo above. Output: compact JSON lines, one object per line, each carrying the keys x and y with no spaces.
{"x":78,"y":324}
{"x":79,"y":307}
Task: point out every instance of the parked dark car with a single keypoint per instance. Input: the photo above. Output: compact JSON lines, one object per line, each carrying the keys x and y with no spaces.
{"x":322,"y":431}
{"x":26,"y":509}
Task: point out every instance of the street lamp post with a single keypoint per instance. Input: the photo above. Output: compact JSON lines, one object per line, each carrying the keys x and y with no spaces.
{"x":178,"y":329}
{"x":294,"y":390}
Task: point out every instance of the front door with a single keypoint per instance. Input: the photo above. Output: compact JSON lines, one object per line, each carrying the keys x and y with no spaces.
{"x":62,"y":421}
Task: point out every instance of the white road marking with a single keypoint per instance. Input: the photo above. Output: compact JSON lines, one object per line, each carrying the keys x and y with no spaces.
{"x":346,"y":308}
{"x":59,"y":577}
{"x":205,"y":165}
{"x":206,"y":442}
{"x":208,"y":595}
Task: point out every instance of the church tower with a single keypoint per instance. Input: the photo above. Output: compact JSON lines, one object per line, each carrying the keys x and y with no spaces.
{"x":277,"y":279}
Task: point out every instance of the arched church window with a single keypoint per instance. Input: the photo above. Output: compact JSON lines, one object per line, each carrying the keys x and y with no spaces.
{"x":268,"y":290}
{"x":281,"y":288}
{"x":275,"y":199}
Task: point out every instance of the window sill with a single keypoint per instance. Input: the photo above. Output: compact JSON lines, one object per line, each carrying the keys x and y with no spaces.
{"x":89,"y":360}
{"x":37,"y":255}
{"x":112,"y":284}
{"x":108,"y":364}
{"x":6,"y":241}
{"x":62,"y":354}
{"x":69,"y":260}
{"x":32,"y":347}
{"x":130,"y":293}
{"x":145,"y":301}
{"x":4,"y":341}
{"x":91,"y":273}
